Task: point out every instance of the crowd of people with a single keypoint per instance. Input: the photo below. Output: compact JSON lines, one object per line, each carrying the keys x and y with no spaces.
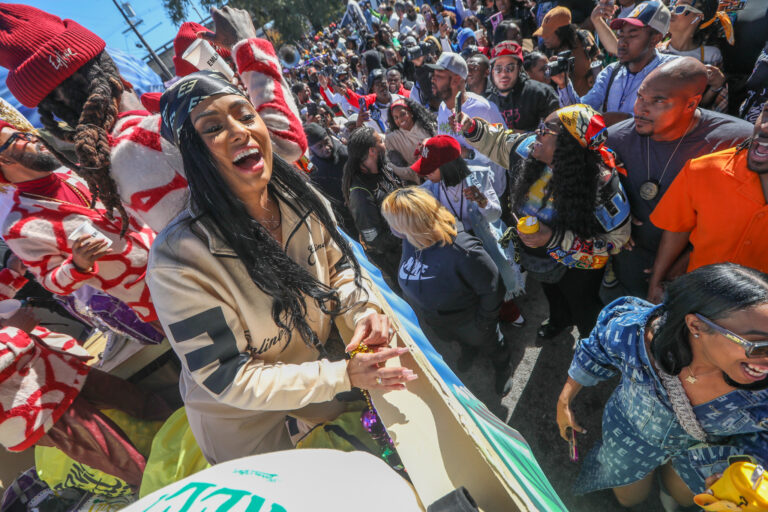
{"x":607,"y":153}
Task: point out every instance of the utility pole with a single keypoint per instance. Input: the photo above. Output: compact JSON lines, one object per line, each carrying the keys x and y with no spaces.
{"x":167,"y":75}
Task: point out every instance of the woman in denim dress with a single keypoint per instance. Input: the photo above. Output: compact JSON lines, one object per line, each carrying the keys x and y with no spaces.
{"x":693,"y":389}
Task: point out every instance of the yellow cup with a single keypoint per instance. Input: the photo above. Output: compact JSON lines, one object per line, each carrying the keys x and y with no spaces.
{"x":528,"y":225}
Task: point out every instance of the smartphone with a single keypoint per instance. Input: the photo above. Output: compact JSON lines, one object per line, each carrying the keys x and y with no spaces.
{"x":439,"y":18}
{"x":459,"y":101}
{"x":573,"y":451}
{"x":362,"y":105}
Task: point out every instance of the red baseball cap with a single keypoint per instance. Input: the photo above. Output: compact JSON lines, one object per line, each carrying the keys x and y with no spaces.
{"x":507,"y":48}
{"x":437,"y":151}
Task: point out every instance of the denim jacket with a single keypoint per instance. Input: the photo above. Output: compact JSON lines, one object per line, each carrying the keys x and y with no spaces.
{"x":640,"y":428}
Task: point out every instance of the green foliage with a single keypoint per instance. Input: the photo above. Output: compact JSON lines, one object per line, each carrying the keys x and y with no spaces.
{"x":292,"y":17}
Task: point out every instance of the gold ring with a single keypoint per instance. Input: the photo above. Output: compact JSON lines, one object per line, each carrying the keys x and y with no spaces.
{"x":378,"y":381}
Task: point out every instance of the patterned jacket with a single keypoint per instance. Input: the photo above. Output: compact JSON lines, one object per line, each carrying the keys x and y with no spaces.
{"x":36,"y":229}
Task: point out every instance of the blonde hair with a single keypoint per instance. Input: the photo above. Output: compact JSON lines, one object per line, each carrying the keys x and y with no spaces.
{"x":413,"y":212}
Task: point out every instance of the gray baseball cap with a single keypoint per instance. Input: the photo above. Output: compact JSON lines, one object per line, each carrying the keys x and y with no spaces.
{"x":452,"y":62}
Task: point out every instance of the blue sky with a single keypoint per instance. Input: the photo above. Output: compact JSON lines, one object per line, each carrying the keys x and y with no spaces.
{"x":103,"y":18}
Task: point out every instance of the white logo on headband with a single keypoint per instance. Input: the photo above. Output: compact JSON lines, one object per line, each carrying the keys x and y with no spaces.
{"x":61,"y":59}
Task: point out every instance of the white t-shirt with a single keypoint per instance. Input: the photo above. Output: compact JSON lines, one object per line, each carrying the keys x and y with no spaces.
{"x":407,"y":25}
{"x":476,"y":106}
{"x":393,"y":21}
{"x":712,"y":54}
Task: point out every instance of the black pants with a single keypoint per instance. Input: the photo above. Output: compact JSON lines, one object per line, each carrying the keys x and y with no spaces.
{"x":575,"y":299}
{"x":461,"y":328}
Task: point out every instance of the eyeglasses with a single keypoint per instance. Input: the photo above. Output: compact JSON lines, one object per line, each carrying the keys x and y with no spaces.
{"x":509,"y":68}
{"x":546,"y":129}
{"x":16,"y":135}
{"x":752,"y":348}
{"x":685,"y":9}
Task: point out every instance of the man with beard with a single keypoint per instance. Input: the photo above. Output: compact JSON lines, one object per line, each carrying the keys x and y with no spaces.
{"x":367,"y":181}
{"x":718,"y":204}
{"x":64,"y":241}
{"x":449,"y":78}
{"x":668,"y":130}
{"x":523,"y":102}
{"x":615,"y":88}
{"x":329,"y":157}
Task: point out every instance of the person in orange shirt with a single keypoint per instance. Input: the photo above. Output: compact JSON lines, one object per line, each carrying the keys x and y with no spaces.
{"x":718,"y":204}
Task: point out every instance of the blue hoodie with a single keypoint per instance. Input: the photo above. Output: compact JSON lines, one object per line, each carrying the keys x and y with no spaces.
{"x":453,"y":278}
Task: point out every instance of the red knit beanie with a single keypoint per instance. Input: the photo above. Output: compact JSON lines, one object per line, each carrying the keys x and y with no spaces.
{"x":41,"y":51}
{"x":187,"y":34}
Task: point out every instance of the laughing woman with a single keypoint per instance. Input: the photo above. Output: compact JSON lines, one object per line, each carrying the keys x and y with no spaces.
{"x":249,"y":280}
{"x":693,"y":389}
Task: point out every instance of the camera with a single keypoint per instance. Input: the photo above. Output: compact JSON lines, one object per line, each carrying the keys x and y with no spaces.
{"x":563,"y":64}
{"x":469,"y":51}
{"x":312,"y":109}
{"x":414,"y":52}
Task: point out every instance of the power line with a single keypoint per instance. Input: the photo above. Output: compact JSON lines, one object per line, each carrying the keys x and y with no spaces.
{"x":163,"y":69}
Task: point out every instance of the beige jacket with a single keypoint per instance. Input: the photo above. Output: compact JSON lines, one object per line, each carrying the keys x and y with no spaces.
{"x":239,"y":376}
{"x":406,"y":143}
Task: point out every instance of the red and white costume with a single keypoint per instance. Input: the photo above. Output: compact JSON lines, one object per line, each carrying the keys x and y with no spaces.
{"x":38,"y":383}
{"x":148,"y":169}
{"x":36,"y":229}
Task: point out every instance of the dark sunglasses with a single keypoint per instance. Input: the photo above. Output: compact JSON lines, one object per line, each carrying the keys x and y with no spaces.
{"x":752,"y":348}
{"x":545,"y":129}
{"x":16,"y":135}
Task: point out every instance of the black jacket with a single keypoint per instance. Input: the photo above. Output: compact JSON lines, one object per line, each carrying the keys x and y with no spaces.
{"x":366,"y":193}
{"x":326,"y":176}
{"x":526,"y":104}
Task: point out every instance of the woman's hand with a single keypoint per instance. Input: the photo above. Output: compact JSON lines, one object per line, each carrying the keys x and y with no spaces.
{"x":537,"y":239}
{"x":230,"y":26}
{"x":372,"y":330}
{"x":86,"y":250}
{"x":565,"y":419}
{"x":474,"y":195}
{"x":565,"y":416}
{"x":364,"y":371}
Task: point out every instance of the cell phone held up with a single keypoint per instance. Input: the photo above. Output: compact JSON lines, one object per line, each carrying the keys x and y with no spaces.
{"x":362,"y":105}
{"x":457,"y":112}
{"x":573,"y":451}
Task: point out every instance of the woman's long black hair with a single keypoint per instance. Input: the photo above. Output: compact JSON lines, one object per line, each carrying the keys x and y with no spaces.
{"x":270,"y":268}
{"x":421,"y":117}
{"x":573,"y":187}
{"x":714,"y":291}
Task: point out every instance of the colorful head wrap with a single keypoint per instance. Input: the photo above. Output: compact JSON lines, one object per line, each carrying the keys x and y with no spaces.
{"x":178,"y":101}
{"x":585,"y":124}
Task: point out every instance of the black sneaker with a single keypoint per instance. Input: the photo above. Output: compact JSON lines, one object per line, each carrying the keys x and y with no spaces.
{"x":549,"y":331}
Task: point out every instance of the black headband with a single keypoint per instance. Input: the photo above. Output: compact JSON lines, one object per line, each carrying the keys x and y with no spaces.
{"x":178,"y":101}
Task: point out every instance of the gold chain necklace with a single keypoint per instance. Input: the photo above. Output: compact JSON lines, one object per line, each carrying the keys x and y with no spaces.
{"x":78,"y":193}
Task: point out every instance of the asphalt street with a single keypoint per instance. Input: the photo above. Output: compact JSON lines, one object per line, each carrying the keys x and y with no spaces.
{"x":538,"y":371}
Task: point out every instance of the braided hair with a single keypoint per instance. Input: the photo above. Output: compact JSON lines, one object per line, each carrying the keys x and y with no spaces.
{"x":87,"y":103}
